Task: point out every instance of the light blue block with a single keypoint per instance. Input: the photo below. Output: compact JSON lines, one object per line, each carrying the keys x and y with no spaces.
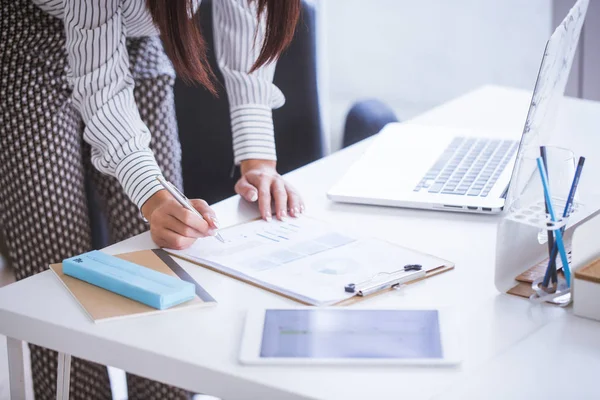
{"x":133,"y":281}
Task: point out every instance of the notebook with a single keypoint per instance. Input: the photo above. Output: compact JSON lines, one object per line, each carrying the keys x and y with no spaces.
{"x":102,"y":305}
{"x":304,"y":259}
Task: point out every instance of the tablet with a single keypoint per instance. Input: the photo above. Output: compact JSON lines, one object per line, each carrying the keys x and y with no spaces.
{"x":341,"y":335}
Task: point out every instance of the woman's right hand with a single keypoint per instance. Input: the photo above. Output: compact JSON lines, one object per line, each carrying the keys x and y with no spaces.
{"x":175,"y":227}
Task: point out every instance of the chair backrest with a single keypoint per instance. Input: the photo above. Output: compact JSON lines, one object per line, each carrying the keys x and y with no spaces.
{"x":204,"y":124}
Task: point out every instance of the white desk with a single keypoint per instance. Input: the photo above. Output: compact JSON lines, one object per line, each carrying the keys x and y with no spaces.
{"x":504,"y":337}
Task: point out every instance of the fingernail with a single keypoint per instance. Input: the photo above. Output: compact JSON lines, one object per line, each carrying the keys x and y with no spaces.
{"x":295,"y":211}
{"x":302,"y":208}
{"x":254,"y":197}
{"x":216,"y":222}
{"x":283,"y":214}
{"x":212,"y":232}
{"x":268,"y":218}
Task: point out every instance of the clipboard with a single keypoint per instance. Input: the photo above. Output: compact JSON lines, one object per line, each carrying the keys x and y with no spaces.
{"x":347,"y":302}
{"x":102,"y":305}
{"x":295,"y":285}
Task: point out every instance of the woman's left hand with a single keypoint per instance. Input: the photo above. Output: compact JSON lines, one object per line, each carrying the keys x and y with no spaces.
{"x":260,"y":181}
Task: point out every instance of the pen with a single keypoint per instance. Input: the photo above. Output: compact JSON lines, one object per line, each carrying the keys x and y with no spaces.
{"x":184,"y":201}
{"x":558,"y":235}
{"x":551,"y":269}
{"x":369,"y":287}
{"x":552,"y":264}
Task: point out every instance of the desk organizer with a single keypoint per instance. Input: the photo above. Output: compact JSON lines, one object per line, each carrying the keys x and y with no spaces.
{"x":525,"y":201}
{"x":526,"y":204}
{"x":532,"y":213}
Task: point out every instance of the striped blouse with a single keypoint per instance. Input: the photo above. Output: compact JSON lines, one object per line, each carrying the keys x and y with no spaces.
{"x":103,"y":86}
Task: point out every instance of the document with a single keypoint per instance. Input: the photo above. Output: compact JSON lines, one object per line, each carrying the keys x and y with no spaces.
{"x":302,"y":258}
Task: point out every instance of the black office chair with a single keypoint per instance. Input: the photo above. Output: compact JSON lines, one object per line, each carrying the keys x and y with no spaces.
{"x":204,"y":121}
{"x":365,"y":119}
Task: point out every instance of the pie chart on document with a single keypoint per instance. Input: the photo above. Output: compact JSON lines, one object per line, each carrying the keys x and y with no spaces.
{"x":336,"y":266}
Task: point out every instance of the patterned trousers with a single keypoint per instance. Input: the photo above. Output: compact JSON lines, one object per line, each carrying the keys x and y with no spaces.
{"x":44,"y":167}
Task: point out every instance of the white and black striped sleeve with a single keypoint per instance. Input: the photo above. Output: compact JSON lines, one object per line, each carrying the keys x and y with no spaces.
{"x":103,"y":93}
{"x":251,"y":96}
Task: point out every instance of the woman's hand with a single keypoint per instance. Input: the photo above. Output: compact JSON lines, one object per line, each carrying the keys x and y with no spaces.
{"x":260,"y":181}
{"x":175,"y":227}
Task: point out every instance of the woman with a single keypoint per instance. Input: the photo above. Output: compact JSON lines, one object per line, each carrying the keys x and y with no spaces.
{"x":87,"y":83}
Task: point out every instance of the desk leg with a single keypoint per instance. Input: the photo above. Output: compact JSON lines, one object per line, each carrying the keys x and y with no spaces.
{"x":63,"y":376}
{"x":16,"y":368}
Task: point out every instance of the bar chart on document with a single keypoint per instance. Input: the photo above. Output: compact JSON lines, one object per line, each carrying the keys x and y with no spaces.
{"x":302,"y":258}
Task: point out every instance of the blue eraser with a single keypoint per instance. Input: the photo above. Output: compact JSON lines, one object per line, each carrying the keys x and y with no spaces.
{"x":133,"y":281}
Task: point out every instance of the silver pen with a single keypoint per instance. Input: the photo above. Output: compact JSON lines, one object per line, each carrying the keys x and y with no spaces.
{"x":184,"y":201}
{"x":392,"y":280}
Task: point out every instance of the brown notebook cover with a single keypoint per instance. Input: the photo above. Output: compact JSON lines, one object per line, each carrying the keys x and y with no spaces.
{"x":590,"y":272}
{"x":102,"y":305}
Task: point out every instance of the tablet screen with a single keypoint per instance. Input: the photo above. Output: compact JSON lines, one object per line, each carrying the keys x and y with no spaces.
{"x":334,"y":333}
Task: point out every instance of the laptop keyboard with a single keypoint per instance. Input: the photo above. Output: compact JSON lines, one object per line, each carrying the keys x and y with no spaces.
{"x":468,"y":166}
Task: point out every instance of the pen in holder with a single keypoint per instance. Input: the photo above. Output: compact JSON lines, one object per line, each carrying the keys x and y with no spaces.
{"x":559,"y":179}
{"x":559,"y":289}
{"x":528,"y":206}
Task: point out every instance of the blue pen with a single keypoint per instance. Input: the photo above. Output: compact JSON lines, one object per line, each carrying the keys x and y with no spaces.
{"x":551,"y":269}
{"x":558,"y":235}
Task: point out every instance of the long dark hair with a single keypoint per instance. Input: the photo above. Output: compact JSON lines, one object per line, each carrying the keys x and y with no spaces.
{"x":186,"y":47}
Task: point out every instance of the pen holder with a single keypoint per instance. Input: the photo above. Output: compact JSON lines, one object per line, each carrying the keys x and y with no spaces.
{"x":559,"y":295}
{"x":528,"y":205}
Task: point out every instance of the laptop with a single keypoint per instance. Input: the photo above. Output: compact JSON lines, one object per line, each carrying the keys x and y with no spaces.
{"x":455,"y":170}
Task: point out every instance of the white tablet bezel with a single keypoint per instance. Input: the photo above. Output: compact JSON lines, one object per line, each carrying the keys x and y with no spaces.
{"x":253,"y":332}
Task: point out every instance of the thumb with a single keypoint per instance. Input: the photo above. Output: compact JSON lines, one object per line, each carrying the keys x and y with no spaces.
{"x":246,"y":190}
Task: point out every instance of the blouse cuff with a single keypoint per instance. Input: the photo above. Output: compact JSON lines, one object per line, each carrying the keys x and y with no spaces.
{"x":137,"y":173}
{"x":253,"y":133}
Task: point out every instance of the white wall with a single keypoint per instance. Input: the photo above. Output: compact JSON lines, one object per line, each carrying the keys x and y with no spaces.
{"x":415,"y":54}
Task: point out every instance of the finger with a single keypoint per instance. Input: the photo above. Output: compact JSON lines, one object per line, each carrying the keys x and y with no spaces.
{"x":169,"y":239}
{"x":207,"y":213}
{"x":189,"y":218}
{"x":246,"y":190}
{"x":294,"y":201}
{"x":264,"y":199}
{"x":173,"y":224}
{"x":281,"y":199}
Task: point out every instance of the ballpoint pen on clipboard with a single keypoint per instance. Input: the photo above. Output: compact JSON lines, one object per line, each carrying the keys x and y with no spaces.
{"x":386,"y":280}
{"x":184,"y":201}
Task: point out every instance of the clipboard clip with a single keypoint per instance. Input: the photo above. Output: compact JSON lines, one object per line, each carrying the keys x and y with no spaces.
{"x":386,"y":280}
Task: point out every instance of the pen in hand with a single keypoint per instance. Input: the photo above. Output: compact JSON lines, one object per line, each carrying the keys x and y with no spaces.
{"x":184,"y":201}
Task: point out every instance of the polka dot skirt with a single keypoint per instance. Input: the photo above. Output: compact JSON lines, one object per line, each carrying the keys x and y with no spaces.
{"x":44,"y":164}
